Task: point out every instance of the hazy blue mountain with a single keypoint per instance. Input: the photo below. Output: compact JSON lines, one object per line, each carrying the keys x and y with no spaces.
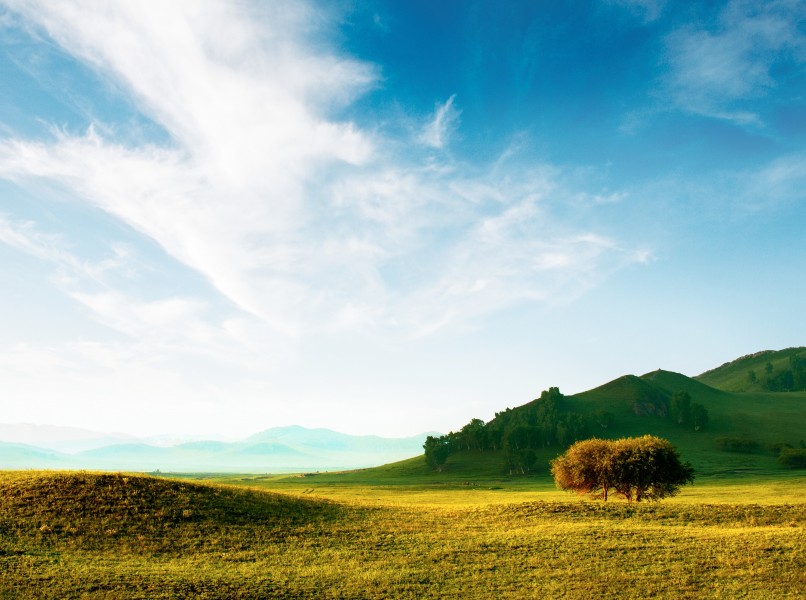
{"x":23,"y":456}
{"x":60,"y":439}
{"x":280,"y":449}
{"x":297,"y":436}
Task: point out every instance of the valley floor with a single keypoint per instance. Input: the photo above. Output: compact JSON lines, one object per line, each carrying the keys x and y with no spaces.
{"x":218,"y":541}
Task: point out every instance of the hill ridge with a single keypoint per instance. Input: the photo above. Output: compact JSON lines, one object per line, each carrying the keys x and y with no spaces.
{"x":143,"y":513}
{"x":763,"y":371}
{"x":694,"y":415}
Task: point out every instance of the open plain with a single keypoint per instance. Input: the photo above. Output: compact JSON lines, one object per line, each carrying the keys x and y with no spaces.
{"x":336,"y":536}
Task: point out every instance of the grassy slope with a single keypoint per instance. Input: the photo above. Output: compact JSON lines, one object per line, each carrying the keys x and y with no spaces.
{"x":766,"y":417}
{"x":94,"y":535}
{"x":138,"y":512}
{"x":66,"y":534}
{"x":733,"y":376}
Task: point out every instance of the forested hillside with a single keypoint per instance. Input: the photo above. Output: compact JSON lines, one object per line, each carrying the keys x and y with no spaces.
{"x":769,"y":370}
{"x":715,"y":428}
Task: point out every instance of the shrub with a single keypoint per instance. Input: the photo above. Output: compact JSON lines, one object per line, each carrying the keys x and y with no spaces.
{"x":794,"y":458}
{"x":736,"y":444}
{"x":778,"y":447}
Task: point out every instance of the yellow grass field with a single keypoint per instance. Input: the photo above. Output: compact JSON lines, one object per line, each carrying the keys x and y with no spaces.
{"x":127,"y":536}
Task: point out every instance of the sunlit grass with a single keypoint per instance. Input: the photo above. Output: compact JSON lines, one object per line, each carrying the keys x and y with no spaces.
{"x":780,"y":487}
{"x":74,"y":535}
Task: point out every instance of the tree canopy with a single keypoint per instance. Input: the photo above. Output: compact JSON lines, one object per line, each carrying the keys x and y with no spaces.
{"x":544,"y":422}
{"x":436,"y":451}
{"x":522,"y":434}
{"x":686,"y":412}
{"x":644,"y":468}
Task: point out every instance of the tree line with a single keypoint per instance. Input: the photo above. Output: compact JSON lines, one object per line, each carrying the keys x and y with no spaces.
{"x":543,"y":423}
{"x":792,"y":379}
{"x":788,"y":455}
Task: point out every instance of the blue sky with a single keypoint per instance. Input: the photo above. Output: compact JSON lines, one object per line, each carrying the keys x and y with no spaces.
{"x":388,"y":217}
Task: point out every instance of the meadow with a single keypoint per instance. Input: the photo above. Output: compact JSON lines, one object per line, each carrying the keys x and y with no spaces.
{"x":365,"y":535}
{"x":469,"y":529}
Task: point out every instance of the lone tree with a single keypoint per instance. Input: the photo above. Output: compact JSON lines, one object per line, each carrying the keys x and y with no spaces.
{"x":645,"y":468}
{"x":585,"y":468}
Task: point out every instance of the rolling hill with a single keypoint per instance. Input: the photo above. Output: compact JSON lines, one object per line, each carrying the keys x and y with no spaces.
{"x":142,"y":514}
{"x":737,"y":408}
{"x":101,"y":535}
{"x":637,"y":405}
{"x":765,"y":417}
{"x":765,"y":371}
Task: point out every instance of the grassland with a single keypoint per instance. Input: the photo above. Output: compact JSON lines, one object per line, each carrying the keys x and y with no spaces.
{"x":767,"y":417}
{"x":758,"y":423}
{"x":365,"y":535}
{"x":406,"y":531}
{"x":734,"y":376}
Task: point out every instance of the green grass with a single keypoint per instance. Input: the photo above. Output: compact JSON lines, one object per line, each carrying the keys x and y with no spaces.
{"x":360,"y":535}
{"x":405,"y":531}
{"x":734,"y":376}
{"x":386,"y":486}
{"x":766,"y":417}
{"x":640,"y":406}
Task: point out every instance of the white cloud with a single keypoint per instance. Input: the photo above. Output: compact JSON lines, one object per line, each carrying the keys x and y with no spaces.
{"x":27,"y":238}
{"x":171,"y":330}
{"x":290,"y":214}
{"x":104,"y":386}
{"x":717,"y":71}
{"x":444,"y":122}
{"x":779,"y":183}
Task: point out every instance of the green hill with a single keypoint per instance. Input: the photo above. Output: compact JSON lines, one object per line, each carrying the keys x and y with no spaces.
{"x":628,"y":393}
{"x":765,"y":418}
{"x":766,"y":371}
{"x":676,"y":382}
{"x":742,"y":431}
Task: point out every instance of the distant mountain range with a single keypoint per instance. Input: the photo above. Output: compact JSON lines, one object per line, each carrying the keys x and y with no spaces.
{"x":60,"y":439}
{"x":280,"y":449}
{"x":742,"y":398}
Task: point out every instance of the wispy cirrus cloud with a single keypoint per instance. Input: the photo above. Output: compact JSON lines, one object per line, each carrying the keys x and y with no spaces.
{"x":156,"y":328}
{"x":777,"y":184}
{"x":303,"y":221}
{"x":26,"y":237}
{"x":445,"y":120}
{"x":719,"y":70}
